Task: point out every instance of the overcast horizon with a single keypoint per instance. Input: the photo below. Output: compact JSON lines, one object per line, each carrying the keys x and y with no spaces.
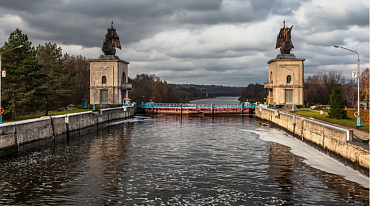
{"x":211,"y":42}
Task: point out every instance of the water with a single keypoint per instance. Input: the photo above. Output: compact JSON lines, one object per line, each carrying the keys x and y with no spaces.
{"x":166,"y":160}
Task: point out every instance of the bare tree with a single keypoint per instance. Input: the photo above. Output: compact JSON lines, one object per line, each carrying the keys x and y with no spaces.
{"x":80,"y":66}
{"x":349,"y":92}
{"x":365,"y":85}
{"x":319,"y":87}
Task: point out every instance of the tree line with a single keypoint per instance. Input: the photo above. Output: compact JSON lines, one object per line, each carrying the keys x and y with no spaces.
{"x":40,"y":79}
{"x":319,"y":87}
{"x":253,"y":93}
{"x":148,"y":87}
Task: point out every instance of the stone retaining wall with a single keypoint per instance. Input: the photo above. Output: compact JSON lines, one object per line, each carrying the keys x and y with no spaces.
{"x":19,"y":133}
{"x":334,"y":139}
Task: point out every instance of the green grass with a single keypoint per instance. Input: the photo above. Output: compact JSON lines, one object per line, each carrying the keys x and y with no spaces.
{"x":50,"y":114}
{"x":346,"y":122}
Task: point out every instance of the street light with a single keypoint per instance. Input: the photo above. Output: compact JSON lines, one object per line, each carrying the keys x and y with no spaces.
{"x":1,"y":117}
{"x":358,"y":83}
{"x":94,"y":93}
{"x":293,"y":84}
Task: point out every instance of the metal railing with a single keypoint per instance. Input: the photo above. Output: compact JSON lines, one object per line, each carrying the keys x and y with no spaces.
{"x":363,"y":142}
{"x":195,"y":106}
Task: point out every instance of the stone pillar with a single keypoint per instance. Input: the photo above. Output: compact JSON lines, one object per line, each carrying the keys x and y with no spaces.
{"x":350,"y":137}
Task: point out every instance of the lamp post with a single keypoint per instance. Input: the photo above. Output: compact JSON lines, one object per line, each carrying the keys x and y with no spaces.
{"x":358,"y":83}
{"x":1,"y":117}
{"x":94,"y":93}
{"x":293,"y":85}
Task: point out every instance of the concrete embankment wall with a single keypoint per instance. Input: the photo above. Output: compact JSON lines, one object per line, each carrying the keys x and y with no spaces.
{"x":330,"y":138}
{"x":19,"y":133}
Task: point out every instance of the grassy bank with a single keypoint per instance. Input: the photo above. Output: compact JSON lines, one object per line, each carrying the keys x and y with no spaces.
{"x":346,"y":122}
{"x":50,"y":114}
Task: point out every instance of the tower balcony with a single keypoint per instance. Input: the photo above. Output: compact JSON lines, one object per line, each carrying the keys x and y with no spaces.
{"x":268,"y":85}
{"x":126,"y":86}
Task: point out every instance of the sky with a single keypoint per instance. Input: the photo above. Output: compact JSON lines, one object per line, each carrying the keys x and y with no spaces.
{"x":219,"y":42}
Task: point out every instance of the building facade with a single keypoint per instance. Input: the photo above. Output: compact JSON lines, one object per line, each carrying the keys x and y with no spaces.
{"x":286,"y":81}
{"x":108,"y":81}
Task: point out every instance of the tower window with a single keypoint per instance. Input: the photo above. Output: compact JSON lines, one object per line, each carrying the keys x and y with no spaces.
{"x":123,"y":79}
{"x":288,"y":79}
{"x":104,"y":80}
{"x":271,"y":77}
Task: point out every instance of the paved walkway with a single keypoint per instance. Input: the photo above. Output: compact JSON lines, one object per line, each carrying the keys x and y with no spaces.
{"x":359,"y":133}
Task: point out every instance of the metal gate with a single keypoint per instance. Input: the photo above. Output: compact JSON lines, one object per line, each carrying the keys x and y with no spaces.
{"x":289,"y":96}
{"x":104,"y":96}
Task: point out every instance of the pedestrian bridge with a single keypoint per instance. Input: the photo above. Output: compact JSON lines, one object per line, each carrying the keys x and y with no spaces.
{"x":196,"y":109}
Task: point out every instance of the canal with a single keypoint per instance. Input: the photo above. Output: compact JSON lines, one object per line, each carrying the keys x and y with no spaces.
{"x":168,"y":160}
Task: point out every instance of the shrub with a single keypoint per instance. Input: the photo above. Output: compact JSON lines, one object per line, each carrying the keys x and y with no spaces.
{"x":337,"y":104}
{"x":97,"y":108}
{"x":79,"y":106}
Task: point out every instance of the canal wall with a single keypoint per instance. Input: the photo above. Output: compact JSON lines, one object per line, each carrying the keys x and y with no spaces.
{"x":22,"y":132}
{"x":332,"y":139}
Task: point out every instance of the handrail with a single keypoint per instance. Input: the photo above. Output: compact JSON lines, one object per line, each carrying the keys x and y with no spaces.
{"x":196,"y":106}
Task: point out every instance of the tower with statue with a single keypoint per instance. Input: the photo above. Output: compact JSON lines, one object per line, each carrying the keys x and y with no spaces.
{"x":109,"y":74}
{"x":286,"y":73}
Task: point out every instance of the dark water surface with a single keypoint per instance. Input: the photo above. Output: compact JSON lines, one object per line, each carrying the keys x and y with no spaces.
{"x":166,"y":160}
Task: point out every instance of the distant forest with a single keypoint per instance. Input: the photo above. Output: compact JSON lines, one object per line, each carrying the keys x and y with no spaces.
{"x":211,"y":88}
{"x":148,"y":87}
{"x":253,"y":93}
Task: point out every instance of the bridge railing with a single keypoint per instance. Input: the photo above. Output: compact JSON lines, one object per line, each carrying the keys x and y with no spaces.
{"x":194,"y":106}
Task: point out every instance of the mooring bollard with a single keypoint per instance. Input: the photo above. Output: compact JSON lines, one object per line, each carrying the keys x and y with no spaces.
{"x":52,"y":127}
{"x":66,"y":119}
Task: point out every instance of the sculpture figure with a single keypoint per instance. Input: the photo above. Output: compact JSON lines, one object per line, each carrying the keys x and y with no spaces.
{"x":284,"y":40}
{"x":111,"y":41}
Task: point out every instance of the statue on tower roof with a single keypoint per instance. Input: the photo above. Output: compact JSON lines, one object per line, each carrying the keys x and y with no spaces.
{"x":111,"y":41}
{"x":284,"y":40}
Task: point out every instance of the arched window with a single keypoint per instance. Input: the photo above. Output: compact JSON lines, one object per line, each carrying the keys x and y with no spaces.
{"x":288,"y":79}
{"x":123,"y":79}
{"x":271,"y":77}
{"x":104,"y":80}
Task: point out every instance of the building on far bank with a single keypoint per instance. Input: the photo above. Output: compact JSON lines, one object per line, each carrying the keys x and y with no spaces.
{"x":109,"y":74}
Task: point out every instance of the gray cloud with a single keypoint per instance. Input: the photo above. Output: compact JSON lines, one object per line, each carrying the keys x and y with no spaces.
{"x":198,"y":41}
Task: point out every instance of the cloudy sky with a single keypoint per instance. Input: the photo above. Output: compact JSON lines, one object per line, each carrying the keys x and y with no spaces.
{"x":221,"y":42}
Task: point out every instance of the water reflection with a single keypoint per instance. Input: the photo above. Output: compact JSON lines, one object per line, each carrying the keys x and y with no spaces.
{"x":281,"y":163}
{"x":292,"y":175}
